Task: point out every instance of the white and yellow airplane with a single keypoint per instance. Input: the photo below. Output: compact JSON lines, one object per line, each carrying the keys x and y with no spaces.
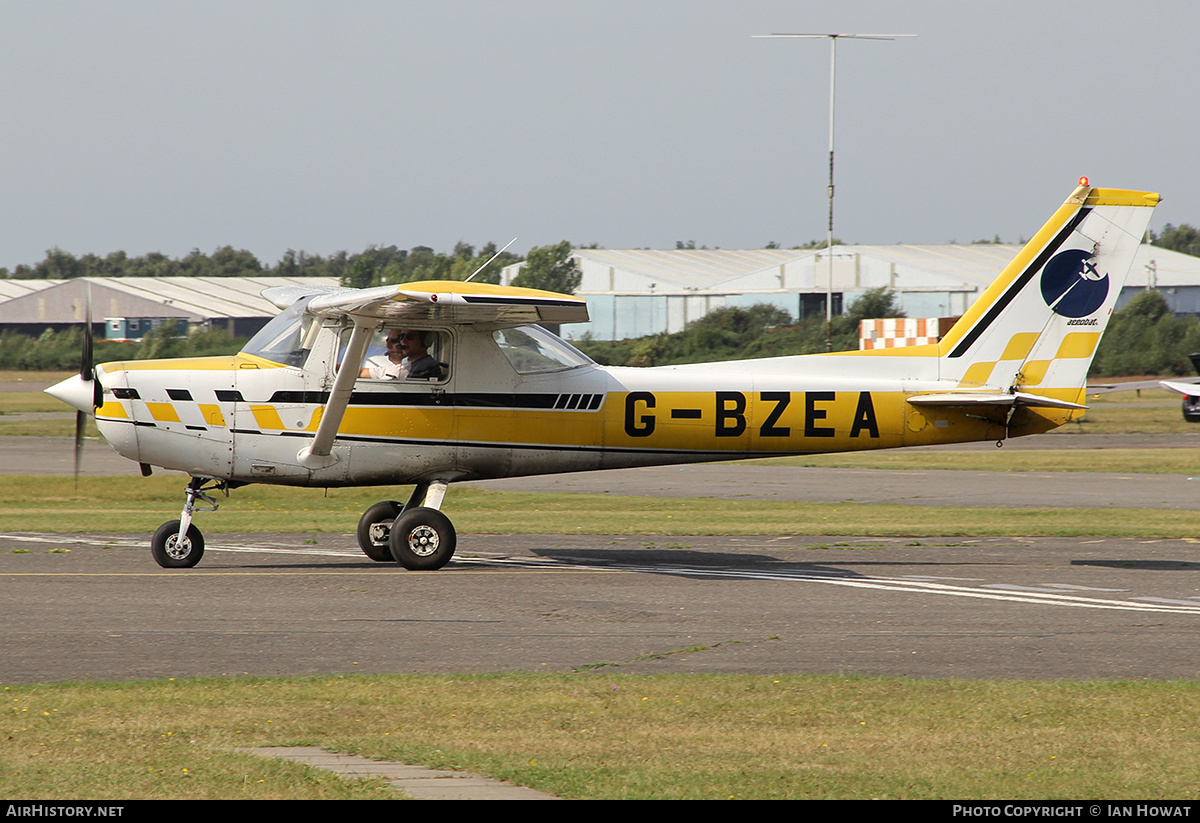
{"x":509,"y":398}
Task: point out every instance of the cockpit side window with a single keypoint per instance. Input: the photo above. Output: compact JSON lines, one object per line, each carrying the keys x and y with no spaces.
{"x":532,"y":349}
{"x":411,"y":355}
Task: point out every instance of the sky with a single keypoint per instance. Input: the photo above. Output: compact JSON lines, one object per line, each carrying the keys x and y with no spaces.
{"x":322,"y":126}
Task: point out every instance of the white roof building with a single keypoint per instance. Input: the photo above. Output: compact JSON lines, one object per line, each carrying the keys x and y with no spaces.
{"x":233,"y":303}
{"x":632,"y":293}
{"x":16,"y":288}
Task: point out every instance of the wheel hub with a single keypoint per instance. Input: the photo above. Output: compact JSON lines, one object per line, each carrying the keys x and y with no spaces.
{"x":178,"y":549}
{"x":423,"y":540}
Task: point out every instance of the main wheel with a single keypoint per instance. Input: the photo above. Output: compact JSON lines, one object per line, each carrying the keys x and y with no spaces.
{"x":422,"y":539}
{"x":172,"y":553}
{"x":374,"y":528}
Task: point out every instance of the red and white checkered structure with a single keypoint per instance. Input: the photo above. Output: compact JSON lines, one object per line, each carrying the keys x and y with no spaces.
{"x":894,"y":332}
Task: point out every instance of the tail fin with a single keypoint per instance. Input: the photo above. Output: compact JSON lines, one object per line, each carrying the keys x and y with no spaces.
{"x":1036,"y":328}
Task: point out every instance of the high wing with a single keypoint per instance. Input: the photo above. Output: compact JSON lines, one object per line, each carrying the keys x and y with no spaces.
{"x":447,"y":301}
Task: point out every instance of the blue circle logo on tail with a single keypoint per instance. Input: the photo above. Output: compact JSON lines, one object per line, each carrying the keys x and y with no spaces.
{"x":1071,"y":285}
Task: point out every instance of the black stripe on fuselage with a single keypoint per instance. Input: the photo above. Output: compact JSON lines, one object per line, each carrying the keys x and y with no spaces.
{"x":1032,"y":269}
{"x":492,"y":400}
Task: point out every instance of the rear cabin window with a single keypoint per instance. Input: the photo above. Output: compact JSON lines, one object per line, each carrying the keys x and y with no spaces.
{"x":532,"y":349}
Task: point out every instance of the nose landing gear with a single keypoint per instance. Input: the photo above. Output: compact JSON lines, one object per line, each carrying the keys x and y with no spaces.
{"x":178,"y":544}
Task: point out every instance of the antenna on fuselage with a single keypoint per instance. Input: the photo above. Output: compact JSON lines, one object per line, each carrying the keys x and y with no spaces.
{"x":489,"y":262}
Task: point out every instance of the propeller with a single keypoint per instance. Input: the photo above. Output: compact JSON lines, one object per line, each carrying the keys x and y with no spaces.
{"x":83,"y":391}
{"x":87,"y":374}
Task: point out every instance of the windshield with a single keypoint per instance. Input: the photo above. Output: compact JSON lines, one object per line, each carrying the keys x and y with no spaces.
{"x":533,"y":349}
{"x":282,"y":339}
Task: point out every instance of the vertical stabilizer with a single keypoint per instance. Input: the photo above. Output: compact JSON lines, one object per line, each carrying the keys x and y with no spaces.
{"x":1036,"y":328}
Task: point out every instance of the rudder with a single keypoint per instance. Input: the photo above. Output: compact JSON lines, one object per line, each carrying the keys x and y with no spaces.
{"x":1036,"y":328}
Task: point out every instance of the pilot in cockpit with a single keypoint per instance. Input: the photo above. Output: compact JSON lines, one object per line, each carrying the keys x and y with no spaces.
{"x":406,"y":358}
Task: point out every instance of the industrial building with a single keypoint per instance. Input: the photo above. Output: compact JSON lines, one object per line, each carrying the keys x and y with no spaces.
{"x":129,"y":307}
{"x":632,"y":293}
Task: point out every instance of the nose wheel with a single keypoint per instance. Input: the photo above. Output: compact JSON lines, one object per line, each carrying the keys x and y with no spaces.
{"x":175,"y":550}
{"x":178,"y":544}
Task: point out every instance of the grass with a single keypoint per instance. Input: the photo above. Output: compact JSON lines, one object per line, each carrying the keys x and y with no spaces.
{"x":21,"y":412}
{"x":1178,"y":460}
{"x":21,"y":376}
{"x":1157,"y":412}
{"x":600,"y":734}
{"x":604,"y":735}
{"x":136,"y":504}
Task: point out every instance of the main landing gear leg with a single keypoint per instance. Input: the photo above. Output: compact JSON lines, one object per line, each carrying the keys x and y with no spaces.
{"x":178,"y":544}
{"x":416,"y":535}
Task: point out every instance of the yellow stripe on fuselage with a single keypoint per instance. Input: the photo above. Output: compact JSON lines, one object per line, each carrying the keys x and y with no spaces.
{"x":728,"y":421}
{"x":712,"y":422}
{"x":230,"y":363}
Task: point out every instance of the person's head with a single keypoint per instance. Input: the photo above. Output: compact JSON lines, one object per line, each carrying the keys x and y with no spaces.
{"x":394,"y":344}
{"x":405,"y":343}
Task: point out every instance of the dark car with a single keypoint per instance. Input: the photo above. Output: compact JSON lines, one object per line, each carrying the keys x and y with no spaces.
{"x":1191,"y":402}
{"x":1191,"y":408}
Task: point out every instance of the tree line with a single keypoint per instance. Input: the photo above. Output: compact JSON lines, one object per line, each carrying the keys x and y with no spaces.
{"x":1143,"y":338}
{"x":548,"y":267}
{"x":61,"y":350}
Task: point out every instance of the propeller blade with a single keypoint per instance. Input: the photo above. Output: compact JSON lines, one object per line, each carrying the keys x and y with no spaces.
{"x":87,"y":365}
{"x":87,"y":373}
{"x":80,"y":422}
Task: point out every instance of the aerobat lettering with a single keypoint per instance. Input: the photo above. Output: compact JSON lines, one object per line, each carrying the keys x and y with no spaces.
{"x":730,"y":413}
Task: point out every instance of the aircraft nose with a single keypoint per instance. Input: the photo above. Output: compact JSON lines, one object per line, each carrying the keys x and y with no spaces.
{"x":75,"y":392}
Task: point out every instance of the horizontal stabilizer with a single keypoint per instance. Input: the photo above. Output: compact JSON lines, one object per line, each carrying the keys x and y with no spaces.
{"x":1138,"y":385}
{"x":990,"y":399}
{"x":1180,"y":386}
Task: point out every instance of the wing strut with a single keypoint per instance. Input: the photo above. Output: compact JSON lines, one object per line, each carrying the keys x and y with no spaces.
{"x":319,"y":454}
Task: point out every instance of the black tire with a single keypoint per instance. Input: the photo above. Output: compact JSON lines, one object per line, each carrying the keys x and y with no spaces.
{"x":374,"y":528}
{"x":422,"y":539}
{"x":172,"y":553}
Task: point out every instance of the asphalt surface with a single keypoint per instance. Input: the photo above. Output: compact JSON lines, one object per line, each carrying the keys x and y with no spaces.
{"x":98,"y":608}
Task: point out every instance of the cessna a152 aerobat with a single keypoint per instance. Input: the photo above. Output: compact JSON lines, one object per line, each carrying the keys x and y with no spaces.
{"x":507,"y":398}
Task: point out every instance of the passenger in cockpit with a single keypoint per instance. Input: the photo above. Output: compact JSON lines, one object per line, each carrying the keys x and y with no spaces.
{"x":407,"y":358}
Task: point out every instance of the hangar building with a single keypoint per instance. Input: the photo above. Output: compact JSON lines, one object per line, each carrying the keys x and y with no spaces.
{"x":131,"y":306}
{"x":632,"y":293}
